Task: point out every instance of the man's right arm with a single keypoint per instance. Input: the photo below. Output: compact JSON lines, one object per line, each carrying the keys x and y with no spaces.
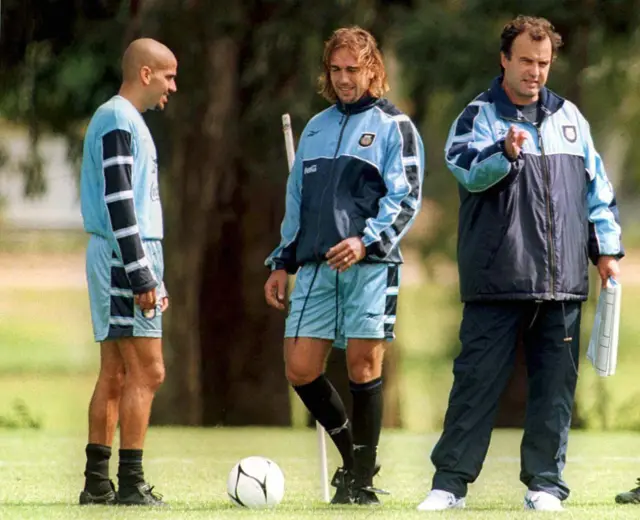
{"x":284,"y":256}
{"x":475,"y":158}
{"x":117,"y":163}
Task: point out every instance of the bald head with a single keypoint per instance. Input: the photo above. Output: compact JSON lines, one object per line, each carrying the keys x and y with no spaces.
{"x":145,"y":52}
{"x":149,"y":71}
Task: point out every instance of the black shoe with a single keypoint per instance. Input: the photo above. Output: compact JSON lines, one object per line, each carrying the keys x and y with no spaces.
{"x":107,"y":499}
{"x":630,"y":497}
{"x":364,"y":494}
{"x":141,"y":494}
{"x":367,"y":496}
{"x":343,"y":482}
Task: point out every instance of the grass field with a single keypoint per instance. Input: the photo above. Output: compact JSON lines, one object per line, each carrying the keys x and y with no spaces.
{"x":47,"y":370}
{"x":45,"y":331}
{"x":41,"y":476}
{"x":46,"y":346}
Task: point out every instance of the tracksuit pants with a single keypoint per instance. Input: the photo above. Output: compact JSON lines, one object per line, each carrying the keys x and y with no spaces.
{"x":489,"y":333}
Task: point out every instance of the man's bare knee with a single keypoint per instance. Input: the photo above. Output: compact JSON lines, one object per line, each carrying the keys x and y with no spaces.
{"x":364,"y":370}
{"x":112,"y":381}
{"x":144,"y":363}
{"x":305,"y":359}
{"x":112,"y":371}
{"x":364,"y":360}
{"x":154,"y":375}
{"x":299,"y":375}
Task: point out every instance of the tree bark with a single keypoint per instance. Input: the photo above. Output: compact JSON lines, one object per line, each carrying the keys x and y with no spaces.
{"x":223,"y":346}
{"x":239,"y":68}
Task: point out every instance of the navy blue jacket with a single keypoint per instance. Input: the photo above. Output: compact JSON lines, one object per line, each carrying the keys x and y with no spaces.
{"x":358,"y":171}
{"x":528,"y":227}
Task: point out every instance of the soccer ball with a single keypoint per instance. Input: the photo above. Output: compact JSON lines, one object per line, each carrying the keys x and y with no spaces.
{"x":255,"y":482}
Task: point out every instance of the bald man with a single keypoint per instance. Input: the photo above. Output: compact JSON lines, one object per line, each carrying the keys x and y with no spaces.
{"x":122,"y":213}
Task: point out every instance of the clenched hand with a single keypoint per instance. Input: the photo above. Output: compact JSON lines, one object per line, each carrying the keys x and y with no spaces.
{"x":276,"y":288}
{"x":146,"y":301}
{"x":608,"y":267}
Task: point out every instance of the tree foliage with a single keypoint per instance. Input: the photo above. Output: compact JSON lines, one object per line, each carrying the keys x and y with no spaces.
{"x":59,"y":59}
{"x":449,"y":52}
{"x":241,"y":65}
{"x":228,"y":178}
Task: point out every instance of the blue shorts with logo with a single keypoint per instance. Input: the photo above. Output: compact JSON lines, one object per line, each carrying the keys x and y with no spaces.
{"x":358,"y":303}
{"x":113,"y":312}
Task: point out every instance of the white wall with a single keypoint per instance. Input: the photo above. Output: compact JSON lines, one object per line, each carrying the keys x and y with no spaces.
{"x":59,"y":208}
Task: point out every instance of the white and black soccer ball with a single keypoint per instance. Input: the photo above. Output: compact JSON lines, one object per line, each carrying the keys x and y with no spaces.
{"x":255,"y":482}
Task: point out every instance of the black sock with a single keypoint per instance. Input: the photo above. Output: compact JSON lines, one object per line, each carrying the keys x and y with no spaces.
{"x":367,"y":423}
{"x":130,"y":468}
{"x":97,"y":469}
{"x":323,"y":401}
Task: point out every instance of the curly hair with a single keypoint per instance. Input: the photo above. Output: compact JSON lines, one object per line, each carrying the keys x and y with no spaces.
{"x":364,"y":47}
{"x":537,"y":28}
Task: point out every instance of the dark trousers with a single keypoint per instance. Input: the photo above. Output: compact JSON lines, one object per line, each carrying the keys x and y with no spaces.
{"x":489,"y":334}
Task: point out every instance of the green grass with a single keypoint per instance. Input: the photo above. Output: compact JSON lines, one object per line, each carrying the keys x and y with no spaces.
{"x":428,"y":322}
{"x":427,"y":336}
{"x":42,"y":241}
{"x":57,"y":401}
{"x":46,"y":331}
{"x":48,"y":362}
{"x":46,"y":336}
{"x":41,"y":475}
{"x":612,"y":402}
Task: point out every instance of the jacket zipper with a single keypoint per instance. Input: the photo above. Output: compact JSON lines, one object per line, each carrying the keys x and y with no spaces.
{"x":324,"y":191}
{"x":547,"y":200}
{"x":547,"y":178}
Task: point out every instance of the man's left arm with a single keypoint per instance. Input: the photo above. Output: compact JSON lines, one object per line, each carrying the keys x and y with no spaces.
{"x":605,"y":237}
{"x":403,"y":173}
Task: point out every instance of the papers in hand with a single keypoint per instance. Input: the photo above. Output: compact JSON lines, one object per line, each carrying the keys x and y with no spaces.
{"x":603,"y":347}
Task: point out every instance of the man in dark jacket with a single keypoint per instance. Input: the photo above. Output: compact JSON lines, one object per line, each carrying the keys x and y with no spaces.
{"x":535,"y":205}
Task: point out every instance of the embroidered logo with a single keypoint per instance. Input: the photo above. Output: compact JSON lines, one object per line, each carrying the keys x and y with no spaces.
{"x":569,"y":132}
{"x":366,"y":139}
{"x":312,"y":133}
{"x":500,"y":129}
{"x":155,"y":193}
{"x":311,"y":169}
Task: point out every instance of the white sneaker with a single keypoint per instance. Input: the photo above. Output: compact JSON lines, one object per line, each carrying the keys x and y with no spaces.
{"x":542,"y":501}
{"x":439,"y":500}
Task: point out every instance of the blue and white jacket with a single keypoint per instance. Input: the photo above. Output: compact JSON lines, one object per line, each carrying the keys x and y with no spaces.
{"x":528,"y":227}
{"x":358,"y":171}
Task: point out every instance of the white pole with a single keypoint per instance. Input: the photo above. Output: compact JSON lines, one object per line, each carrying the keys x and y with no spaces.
{"x":322,"y":453}
{"x":322,"y":444}
{"x":288,"y":139}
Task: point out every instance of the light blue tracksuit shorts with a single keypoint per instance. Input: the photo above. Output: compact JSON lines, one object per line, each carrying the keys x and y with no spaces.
{"x":113,"y":312}
{"x":359,"y":303}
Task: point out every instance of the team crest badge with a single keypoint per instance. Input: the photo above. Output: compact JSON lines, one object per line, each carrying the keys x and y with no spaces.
{"x":569,"y":132}
{"x":366,"y":139}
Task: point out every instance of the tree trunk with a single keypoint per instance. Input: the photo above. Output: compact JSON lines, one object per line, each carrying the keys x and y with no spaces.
{"x":243,"y":373}
{"x":239,"y":68}
{"x":223,"y":344}
{"x":202,"y":182}
{"x":392,"y":416}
